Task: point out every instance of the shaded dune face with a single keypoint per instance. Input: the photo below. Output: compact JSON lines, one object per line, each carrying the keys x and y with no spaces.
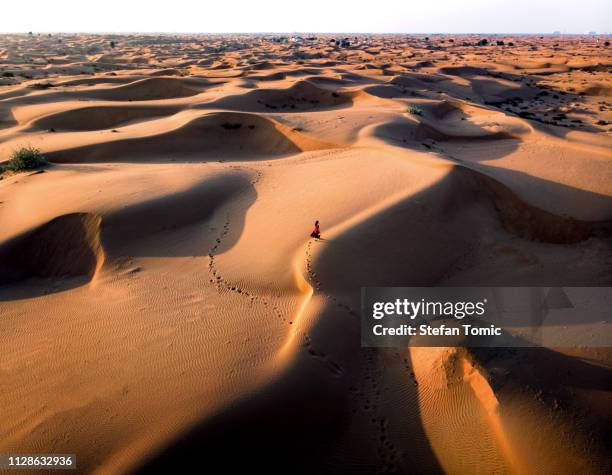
{"x":66,"y":246}
{"x":432,"y":131}
{"x":108,"y":80}
{"x":414,"y":132}
{"x":455,"y":119}
{"x":411,"y":243}
{"x":391,"y":92}
{"x":530,"y":222}
{"x":6,"y":118}
{"x":440,"y":126}
{"x":166,"y":72}
{"x":263,"y":65}
{"x":17,"y":92}
{"x":216,"y":135}
{"x":148,"y":89}
{"x":597,"y":90}
{"x":332,"y":82}
{"x":132,"y":89}
{"x":464,"y":71}
{"x":78,"y":244}
{"x":301,"y":96}
{"x":417,"y":80}
{"x":416,"y":241}
{"x":98,"y":117}
{"x":144,"y":229}
{"x":268,"y":77}
{"x":450,"y":110}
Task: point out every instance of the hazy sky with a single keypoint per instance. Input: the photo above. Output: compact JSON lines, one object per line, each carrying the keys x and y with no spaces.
{"x":401,"y":16}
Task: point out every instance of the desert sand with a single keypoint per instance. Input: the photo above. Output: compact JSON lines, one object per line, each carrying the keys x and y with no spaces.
{"x":160,"y":297}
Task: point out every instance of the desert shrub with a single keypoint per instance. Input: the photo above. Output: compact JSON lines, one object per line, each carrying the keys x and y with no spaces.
{"x":415,"y":111}
{"x":230,"y":126}
{"x":42,"y":85}
{"x":26,"y":158}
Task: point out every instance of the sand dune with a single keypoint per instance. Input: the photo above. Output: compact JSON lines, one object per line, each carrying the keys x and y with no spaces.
{"x":148,"y":89}
{"x":160,"y":297}
{"x":91,"y":81}
{"x":66,"y":246}
{"x":215,"y":135}
{"x":96,"y":118}
{"x":143,"y":228}
{"x":301,"y":96}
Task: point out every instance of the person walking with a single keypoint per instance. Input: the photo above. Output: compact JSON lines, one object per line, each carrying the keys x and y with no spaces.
{"x":316,"y":232}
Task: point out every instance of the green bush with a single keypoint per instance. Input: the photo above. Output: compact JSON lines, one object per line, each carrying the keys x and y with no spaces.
{"x":26,"y":158}
{"x":415,"y":111}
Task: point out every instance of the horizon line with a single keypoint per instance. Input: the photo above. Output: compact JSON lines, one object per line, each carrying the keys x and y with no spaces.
{"x":436,"y":33}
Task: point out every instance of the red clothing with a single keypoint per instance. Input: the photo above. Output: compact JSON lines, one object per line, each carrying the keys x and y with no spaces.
{"x":316,"y":230}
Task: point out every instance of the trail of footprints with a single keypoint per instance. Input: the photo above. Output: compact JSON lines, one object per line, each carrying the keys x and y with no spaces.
{"x":221,"y":284}
{"x":317,"y":283}
{"x":367,"y":401}
{"x":216,"y":278}
{"x":367,"y":396}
